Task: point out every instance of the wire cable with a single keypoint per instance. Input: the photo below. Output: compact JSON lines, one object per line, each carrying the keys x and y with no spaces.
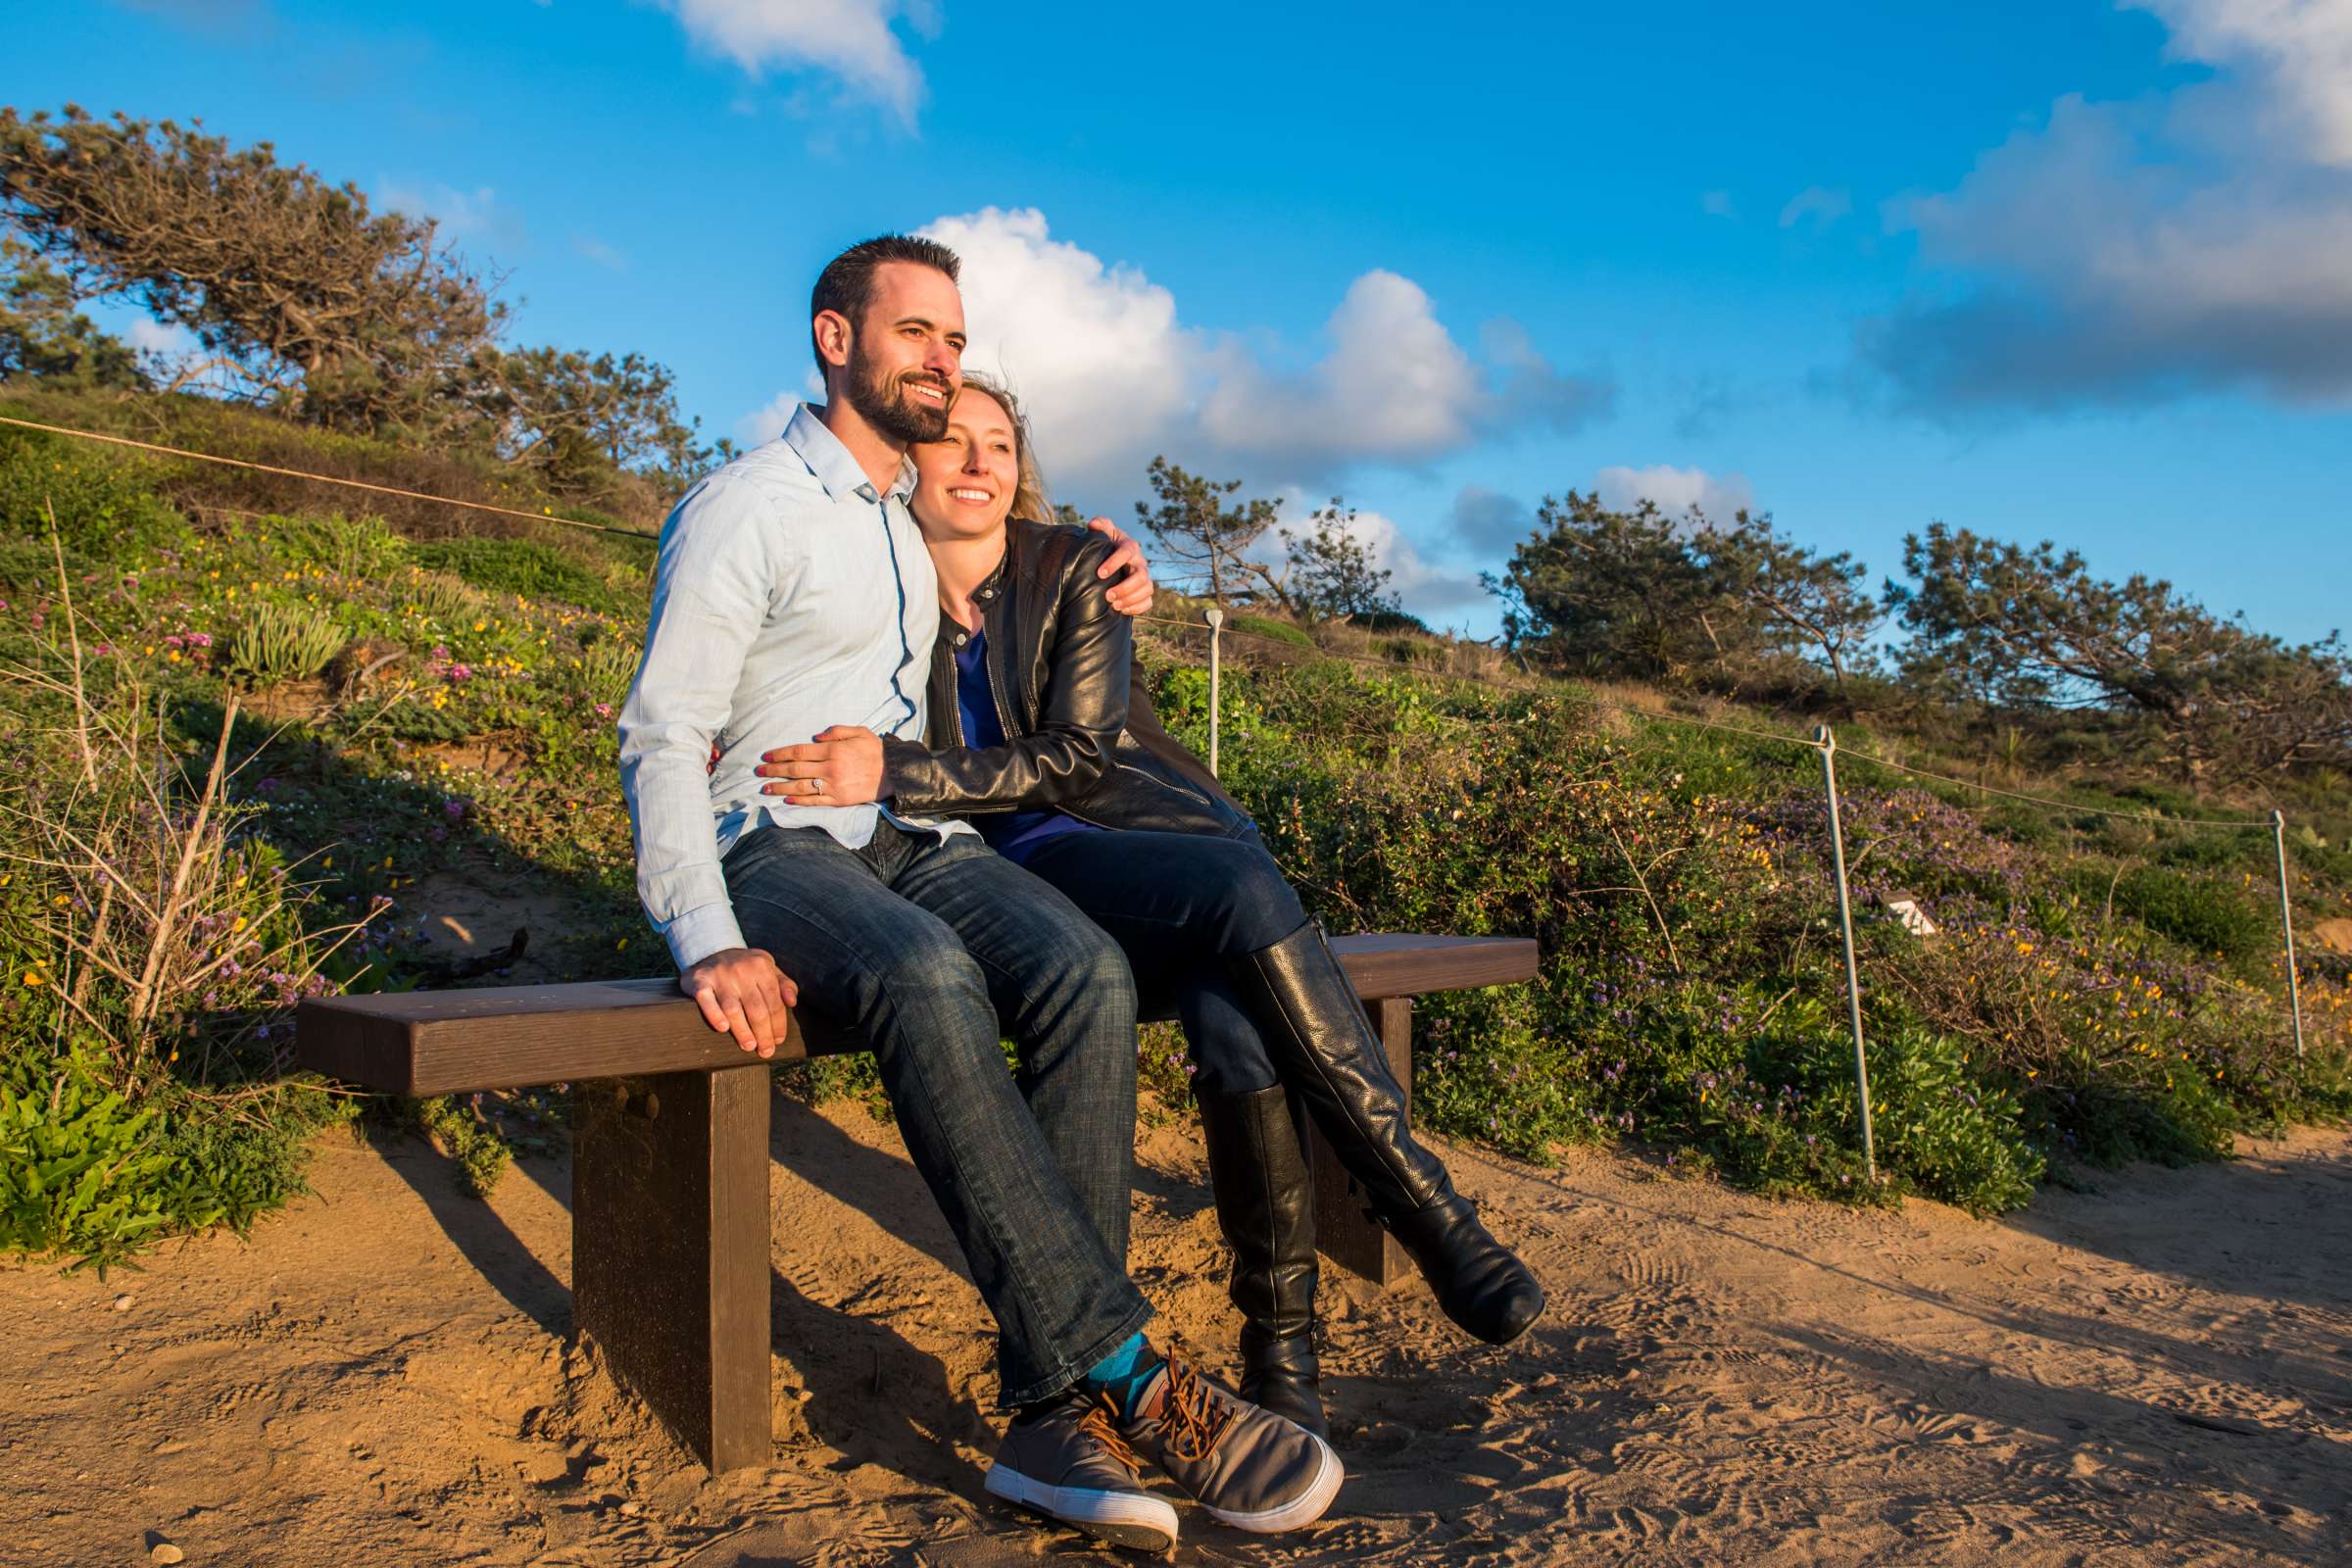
{"x":326,"y":478}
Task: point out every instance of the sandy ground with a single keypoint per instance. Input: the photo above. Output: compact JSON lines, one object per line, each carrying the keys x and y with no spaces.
{"x":2160,"y":1373}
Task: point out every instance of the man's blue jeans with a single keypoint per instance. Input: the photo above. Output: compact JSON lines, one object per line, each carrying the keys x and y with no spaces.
{"x":931,"y":949}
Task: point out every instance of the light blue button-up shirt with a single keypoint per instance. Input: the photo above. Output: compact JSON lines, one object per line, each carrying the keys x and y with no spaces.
{"x":790,"y":594}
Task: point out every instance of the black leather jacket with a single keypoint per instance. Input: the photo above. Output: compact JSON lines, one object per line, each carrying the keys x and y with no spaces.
{"x":1080,"y":732}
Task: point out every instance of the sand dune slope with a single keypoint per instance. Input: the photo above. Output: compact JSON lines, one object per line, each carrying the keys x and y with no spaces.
{"x":2160,"y":1373}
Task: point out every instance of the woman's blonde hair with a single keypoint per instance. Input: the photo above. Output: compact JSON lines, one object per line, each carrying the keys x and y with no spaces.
{"x":1029,"y":497}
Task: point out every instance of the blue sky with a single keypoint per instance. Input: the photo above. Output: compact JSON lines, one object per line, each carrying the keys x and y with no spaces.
{"x":2059,"y":269}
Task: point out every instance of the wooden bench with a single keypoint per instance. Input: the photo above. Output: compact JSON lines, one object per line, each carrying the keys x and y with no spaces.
{"x":669,"y":1219}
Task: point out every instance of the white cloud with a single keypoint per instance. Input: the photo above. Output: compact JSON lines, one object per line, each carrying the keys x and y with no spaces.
{"x":2128,"y":252}
{"x":1110,"y":374}
{"x":474,"y":215}
{"x":602,"y":254}
{"x":851,"y":39}
{"x":167,"y":339}
{"x":1820,"y":206}
{"x":2300,"y":49}
{"x":1718,"y":204}
{"x":767,"y":421}
{"x":1676,"y":491}
{"x":1094,"y":351}
{"x":1393,"y":384}
{"x":1424,"y":588}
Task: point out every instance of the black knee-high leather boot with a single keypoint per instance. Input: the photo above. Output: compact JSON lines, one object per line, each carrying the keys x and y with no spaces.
{"x":1266,"y":1207}
{"x":1329,"y":1056}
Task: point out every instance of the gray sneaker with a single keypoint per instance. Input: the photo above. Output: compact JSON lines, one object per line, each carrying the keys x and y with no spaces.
{"x":1069,"y":1463}
{"x":1249,"y":1467}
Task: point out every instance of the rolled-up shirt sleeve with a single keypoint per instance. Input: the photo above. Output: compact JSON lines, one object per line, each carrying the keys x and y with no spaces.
{"x":712,"y":588}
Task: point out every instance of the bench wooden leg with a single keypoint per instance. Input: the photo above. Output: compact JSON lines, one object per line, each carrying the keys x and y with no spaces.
{"x":669,"y":1249}
{"x":1342,"y":1233}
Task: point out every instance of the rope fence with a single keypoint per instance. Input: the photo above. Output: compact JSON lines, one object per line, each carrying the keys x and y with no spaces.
{"x":322,"y":479}
{"x":1824,"y":741}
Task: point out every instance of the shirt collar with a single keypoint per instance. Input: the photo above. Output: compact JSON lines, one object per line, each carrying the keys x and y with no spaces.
{"x":830,"y":460}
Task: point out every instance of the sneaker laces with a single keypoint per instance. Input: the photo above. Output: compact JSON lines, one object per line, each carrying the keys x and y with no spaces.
{"x":1197,"y":1418}
{"x":1096,"y":1424}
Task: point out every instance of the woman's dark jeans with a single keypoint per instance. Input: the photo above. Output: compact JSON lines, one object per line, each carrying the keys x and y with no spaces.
{"x":930,"y":948}
{"x":1179,"y":904}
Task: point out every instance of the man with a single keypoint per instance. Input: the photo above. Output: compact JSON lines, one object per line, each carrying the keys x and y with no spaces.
{"x":792,"y":587}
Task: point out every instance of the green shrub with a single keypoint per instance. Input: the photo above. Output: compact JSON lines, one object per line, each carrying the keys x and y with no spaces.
{"x":363,"y":547}
{"x":1280,"y":631}
{"x":104,"y":503}
{"x":2200,"y":912}
{"x":80,"y":1167}
{"x":2218,"y":849}
{"x":607,"y":668}
{"x":281,"y":642}
{"x":445,"y":602}
{"x":526,"y":568}
{"x":1410,"y":651}
{"x":1950,"y":1133}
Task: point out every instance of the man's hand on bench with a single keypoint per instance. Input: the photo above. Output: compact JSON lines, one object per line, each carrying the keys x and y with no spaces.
{"x":743,"y":993}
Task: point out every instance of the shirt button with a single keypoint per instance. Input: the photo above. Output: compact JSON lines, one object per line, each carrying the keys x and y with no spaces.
{"x":961,"y":639}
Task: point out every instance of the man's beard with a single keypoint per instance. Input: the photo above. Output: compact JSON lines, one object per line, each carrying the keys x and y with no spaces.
{"x":887,"y":405}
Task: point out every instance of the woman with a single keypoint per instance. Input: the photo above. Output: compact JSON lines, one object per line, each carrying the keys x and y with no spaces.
{"x":1040,"y":736}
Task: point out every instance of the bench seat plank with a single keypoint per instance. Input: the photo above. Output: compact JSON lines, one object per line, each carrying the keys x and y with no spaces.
{"x":511,"y":1037}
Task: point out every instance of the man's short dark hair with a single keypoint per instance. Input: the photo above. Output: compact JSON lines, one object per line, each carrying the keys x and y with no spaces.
{"x":847,"y":284}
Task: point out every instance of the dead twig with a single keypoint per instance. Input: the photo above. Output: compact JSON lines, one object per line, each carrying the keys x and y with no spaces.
{"x":1672,"y":957}
{"x":143,"y":995}
{"x":81,"y":706}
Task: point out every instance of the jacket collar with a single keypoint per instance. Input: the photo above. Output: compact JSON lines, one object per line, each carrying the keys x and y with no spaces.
{"x":996,"y":583}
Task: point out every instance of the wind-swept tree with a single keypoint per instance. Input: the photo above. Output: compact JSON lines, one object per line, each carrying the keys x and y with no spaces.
{"x":347,"y":316}
{"x":1645,"y":595}
{"x":1327,"y":571}
{"x":2034,"y":628}
{"x":1198,"y":530}
{"x":574,"y":419}
{"x":1797,"y":601}
{"x":1613,"y":592}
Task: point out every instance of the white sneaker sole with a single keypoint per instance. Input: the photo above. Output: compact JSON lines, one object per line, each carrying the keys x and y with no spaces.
{"x":1303,"y":1509}
{"x":1136,"y":1521}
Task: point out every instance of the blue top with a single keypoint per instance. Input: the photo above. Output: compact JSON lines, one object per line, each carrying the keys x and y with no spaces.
{"x":1011,"y":834}
{"x":791,"y":594}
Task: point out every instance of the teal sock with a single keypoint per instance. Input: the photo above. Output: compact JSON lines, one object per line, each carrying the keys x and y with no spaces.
{"x":1124,"y":1371}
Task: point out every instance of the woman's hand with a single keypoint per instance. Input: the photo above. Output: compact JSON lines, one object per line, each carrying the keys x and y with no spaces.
{"x":1132,"y":596}
{"x":842,"y":766}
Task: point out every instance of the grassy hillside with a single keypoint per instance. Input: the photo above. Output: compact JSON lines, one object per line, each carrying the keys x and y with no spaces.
{"x":413,"y":715}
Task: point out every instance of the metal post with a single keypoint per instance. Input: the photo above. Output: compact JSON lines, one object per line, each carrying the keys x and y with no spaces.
{"x":2286,"y":920}
{"x":1828,"y":743}
{"x":1216,"y":626}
